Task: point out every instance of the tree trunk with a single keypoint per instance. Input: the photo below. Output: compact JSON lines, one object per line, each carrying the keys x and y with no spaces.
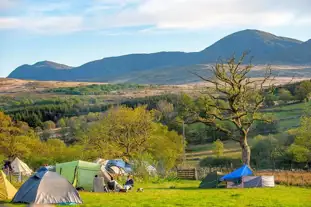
{"x":246,"y":151}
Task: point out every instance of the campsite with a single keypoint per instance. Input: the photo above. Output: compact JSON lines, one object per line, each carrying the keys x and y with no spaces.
{"x":73,"y":183}
{"x":151,"y":103}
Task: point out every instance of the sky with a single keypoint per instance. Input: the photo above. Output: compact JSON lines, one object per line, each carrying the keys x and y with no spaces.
{"x":74,"y":32}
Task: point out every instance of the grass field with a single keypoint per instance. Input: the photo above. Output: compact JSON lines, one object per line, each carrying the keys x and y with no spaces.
{"x":186,"y":193}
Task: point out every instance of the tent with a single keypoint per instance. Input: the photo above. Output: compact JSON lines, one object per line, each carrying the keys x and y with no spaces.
{"x":237,"y":174}
{"x":20,"y":167}
{"x":46,"y":187}
{"x":119,"y":163}
{"x":253,"y":182}
{"x":211,"y":180}
{"x":79,"y":173}
{"x":7,"y":190}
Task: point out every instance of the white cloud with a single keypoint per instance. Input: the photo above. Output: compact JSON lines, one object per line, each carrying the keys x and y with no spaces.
{"x":162,"y":14}
{"x":44,"y":25}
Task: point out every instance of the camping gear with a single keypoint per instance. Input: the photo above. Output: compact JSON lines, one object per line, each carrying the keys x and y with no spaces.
{"x":20,"y":168}
{"x":46,"y":187}
{"x":253,"y":182}
{"x":7,"y":190}
{"x":237,"y":174}
{"x":211,"y":180}
{"x":79,"y":173}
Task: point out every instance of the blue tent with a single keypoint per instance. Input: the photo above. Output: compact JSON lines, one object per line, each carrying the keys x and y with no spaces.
{"x":121,"y":164}
{"x":238,"y":173}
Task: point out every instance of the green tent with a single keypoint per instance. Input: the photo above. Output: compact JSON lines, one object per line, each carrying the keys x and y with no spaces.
{"x":79,"y":173}
{"x":211,"y":180}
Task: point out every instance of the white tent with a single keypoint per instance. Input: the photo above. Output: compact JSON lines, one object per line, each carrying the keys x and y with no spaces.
{"x":20,"y":167}
{"x":253,"y":182}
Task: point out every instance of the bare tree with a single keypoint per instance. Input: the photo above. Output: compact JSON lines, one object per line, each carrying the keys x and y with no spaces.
{"x":235,"y":98}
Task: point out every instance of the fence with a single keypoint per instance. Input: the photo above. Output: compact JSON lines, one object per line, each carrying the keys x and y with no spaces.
{"x":284,"y":177}
{"x":188,"y":174}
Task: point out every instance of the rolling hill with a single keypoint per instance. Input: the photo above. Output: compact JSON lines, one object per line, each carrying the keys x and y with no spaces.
{"x":175,"y":67}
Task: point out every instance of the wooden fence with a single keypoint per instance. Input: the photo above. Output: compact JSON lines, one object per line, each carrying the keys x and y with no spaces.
{"x":187,"y":174}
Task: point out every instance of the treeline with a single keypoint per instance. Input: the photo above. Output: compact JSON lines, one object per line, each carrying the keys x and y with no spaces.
{"x":95,"y":89}
{"x":35,"y":115}
{"x":145,"y":140}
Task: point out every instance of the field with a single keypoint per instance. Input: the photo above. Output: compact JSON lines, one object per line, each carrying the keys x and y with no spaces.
{"x":289,"y":178}
{"x":186,"y":193}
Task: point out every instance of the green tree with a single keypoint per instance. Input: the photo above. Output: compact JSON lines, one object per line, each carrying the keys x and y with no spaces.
{"x":48,"y":125}
{"x":218,"y":148}
{"x":301,"y":149}
{"x":303,"y":90}
{"x":61,"y":123}
{"x":285,"y":95}
{"x":14,"y":138}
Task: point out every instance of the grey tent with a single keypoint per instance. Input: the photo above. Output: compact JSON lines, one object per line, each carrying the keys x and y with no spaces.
{"x":212,"y":180}
{"x":46,"y":187}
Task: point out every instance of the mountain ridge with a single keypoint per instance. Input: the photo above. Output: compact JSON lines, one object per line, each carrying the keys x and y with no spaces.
{"x":267,"y":48}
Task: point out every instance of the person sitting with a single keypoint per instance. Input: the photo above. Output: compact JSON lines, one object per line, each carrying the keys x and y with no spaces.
{"x":114,"y":185}
{"x":129,"y":184}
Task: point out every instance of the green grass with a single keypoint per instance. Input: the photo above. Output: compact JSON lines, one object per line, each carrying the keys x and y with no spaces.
{"x":186,"y":193}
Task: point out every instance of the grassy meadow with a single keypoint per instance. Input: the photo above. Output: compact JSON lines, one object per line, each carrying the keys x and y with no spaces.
{"x":187,"y":193}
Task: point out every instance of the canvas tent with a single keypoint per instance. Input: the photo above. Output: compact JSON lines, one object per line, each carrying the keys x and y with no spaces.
{"x":79,"y":173}
{"x":20,"y":167}
{"x":253,"y":182}
{"x":237,"y":174}
{"x":211,"y":180}
{"x":46,"y":187}
{"x":7,"y":190}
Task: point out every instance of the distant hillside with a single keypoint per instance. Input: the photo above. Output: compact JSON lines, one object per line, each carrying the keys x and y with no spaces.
{"x":174,"y":67}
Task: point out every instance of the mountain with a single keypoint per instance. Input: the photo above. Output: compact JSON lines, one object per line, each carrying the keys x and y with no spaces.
{"x":260,"y":45}
{"x":265,"y":47}
{"x":45,"y":70}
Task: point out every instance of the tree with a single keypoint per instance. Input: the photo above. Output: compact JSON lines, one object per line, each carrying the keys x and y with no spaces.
{"x":301,"y":148}
{"x":303,"y":90}
{"x":218,"y":148}
{"x":129,"y":133}
{"x":233,"y":97}
{"x":285,"y":95}
{"x":61,"y":123}
{"x":123,"y":132}
{"x":14,"y":137}
{"x":48,"y":125}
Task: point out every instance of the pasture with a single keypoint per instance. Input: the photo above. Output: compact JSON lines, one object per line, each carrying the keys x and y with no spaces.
{"x":186,"y":193}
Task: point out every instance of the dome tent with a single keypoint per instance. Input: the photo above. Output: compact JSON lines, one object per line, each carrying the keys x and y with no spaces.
{"x":237,"y":174}
{"x":7,"y":190}
{"x":46,"y":187}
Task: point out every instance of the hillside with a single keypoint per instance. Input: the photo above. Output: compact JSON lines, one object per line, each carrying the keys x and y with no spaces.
{"x":175,"y":67}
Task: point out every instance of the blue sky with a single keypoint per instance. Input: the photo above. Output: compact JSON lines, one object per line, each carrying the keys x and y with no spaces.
{"x":74,"y":32}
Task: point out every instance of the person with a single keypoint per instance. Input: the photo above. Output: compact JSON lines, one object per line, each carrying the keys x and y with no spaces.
{"x":99,"y":184}
{"x":129,"y":184}
{"x":114,"y":185}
